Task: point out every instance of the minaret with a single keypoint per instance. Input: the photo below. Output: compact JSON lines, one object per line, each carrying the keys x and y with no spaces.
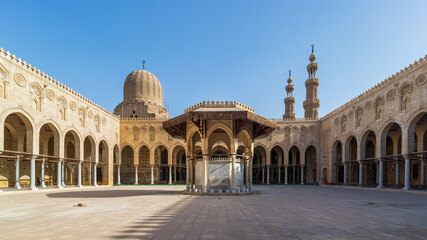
{"x":311,"y":103}
{"x":289,"y":100}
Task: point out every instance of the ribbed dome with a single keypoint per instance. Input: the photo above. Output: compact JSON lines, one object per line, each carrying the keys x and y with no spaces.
{"x":141,"y":85}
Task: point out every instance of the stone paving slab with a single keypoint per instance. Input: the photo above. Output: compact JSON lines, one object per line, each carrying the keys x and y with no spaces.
{"x":160,"y":212}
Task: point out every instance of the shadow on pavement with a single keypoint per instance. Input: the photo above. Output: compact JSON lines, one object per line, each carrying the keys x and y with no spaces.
{"x":110,"y":193}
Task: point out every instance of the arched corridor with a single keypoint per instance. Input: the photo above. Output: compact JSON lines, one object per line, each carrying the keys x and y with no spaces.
{"x":294,"y":167}
{"x":127,"y":166}
{"x":276,"y":163}
{"x":310,"y":165}
{"x":337,"y":161}
{"x":351,"y":165}
{"x":259,"y":161}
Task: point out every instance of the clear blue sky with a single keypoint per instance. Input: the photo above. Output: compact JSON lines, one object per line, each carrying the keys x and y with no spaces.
{"x":217,"y":50}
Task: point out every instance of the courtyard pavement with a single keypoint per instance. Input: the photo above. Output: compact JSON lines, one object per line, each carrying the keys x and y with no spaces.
{"x":160,"y":212}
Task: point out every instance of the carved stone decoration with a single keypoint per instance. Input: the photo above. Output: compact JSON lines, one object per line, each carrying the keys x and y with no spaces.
{"x":368,"y":105}
{"x":304,"y":129}
{"x":4,"y":74}
{"x":82,"y":118}
{"x":359,"y":114}
{"x":421,"y":79}
{"x":126,"y":128}
{"x":278,"y":128}
{"x":404,"y":93}
{"x":378,"y":106}
{"x":20,"y":80}
{"x":104,"y":121}
{"x":287,"y":131}
{"x":73,"y":105}
{"x":90,"y":114}
{"x":343,"y":123}
{"x":295,"y":129}
{"x":50,"y":95}
{"x":135,"y":132}
{"x":390,"y":94}
{"x":350,"y":114}
{"x":337,"y":121}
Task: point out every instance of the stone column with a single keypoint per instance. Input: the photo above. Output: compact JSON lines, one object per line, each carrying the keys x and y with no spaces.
{"x":43,"y":184}
{"x":407,"y":173}
{"x":380,"y":174}
{"x":79,"y":174}
{"x":286,"y":174}
{"x":280,"y":168}
{"x":268,"y":174}
{"x":302,"y":174}
{"x":360,"y":173}
{"x":170,"y":175}
{"x":397,"y":172}
{"x":187,"y":174}
{"x":206,"y":173}
{"x":233,"y":169}
{"x":423,"y":166}
{"x":376,"y":172}
{"x":190,"y":174}
{"x":136,"y":175}
{"x":17,"y":184}
{"x":118,"y":174}
{"x":152,"y":175}
{"x":33,"y":173}
{"x":94,"y":174}
{"x":247,"y":174}
{"x":263,"y":178}
{"x":293,"y":175}
{"x":174,"y":173}
{"x":59,"y":175}
{"x":250,"y":174}
{"x":345,"y":174}
{"x":63,"y":174}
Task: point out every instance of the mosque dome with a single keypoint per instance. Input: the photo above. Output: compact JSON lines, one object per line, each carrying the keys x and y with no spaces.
{"x":143,"y":86}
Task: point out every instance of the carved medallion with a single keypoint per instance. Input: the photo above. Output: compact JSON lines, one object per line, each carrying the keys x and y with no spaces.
{"x":104,"y":121}
{"x":20,"y":80}
{"x":421,"y":79}
{"x":90,"y":115}
{"x":337,"y":121}
{"x":350,"y":114}
{"x":126,"y":128}
{"x":50,"y":95}
{"x":390,"y":94}
{"x":368,"y":105}
{"x":73,"y":106}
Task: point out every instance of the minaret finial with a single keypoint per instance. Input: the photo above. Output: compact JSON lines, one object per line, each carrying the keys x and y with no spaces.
{"x":143,"y":64}
{"x":289,"y":72}
{"x":312,"y":48}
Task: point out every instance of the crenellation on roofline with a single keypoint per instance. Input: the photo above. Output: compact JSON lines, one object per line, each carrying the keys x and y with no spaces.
{"x":44,"y":76}
{"x":379,"y":86}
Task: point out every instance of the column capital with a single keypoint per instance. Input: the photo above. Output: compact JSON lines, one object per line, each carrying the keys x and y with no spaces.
{"x":60,"y":159}
{"x":33,"y":156}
